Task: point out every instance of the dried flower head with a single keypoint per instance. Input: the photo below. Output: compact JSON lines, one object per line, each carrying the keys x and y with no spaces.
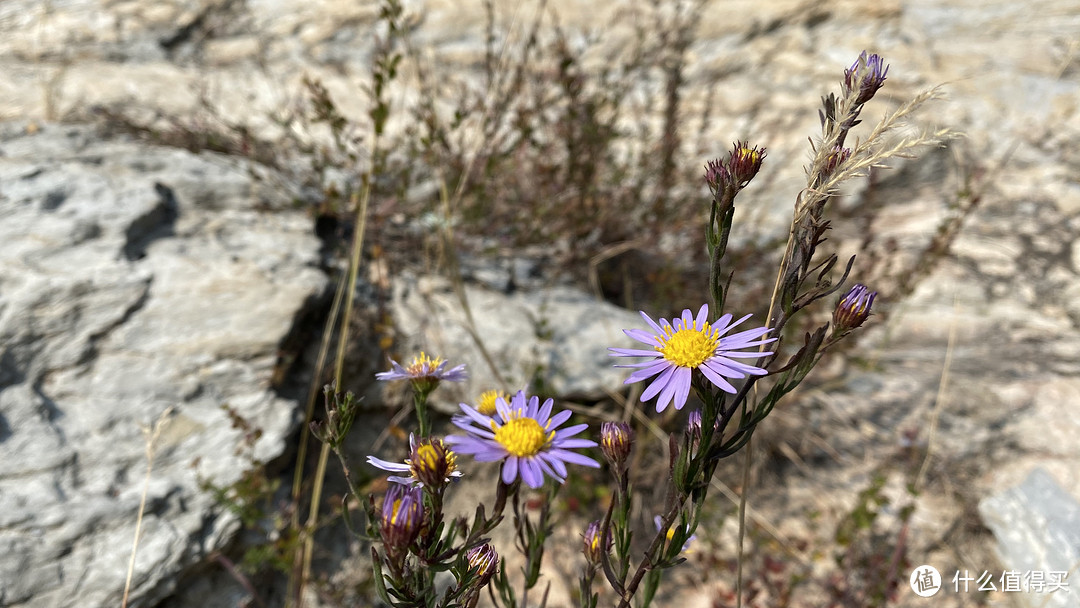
{"x":401,"y":517}
{"x":523,"y":434}
{"x":430,"y":463}
{"x":593,"y":545}
{"x":853,"y":309}
{"x":616,"y":439}
{"x":686,"y":344}
{"x":863,"y":79}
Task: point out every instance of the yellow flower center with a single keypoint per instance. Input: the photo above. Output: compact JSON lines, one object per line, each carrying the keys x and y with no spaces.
{"x":522,"y":436}
{"x":486,"y":404}
{"x":689,"y":347}
{"x":395,"y":511}
{"x":416,"y":368}
{"x":748,"y":155}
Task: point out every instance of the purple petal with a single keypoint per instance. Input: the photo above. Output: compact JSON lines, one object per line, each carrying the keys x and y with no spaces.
{"x":687,"y":319}
{"x":556,"y":420}
{"x":663,"y":365}
{"x":533,"y":408}
{"x":729,"y":326}
{"x":386,"y":465}
{"x":481,"y":419}
{"x":574,"y":443}
{"x":551,"y":461}
{"x":570,"y":431}
{"x":530,"y":473}
{"x":545,"y":412}
{"x":633,"y":352}
{"x":660,"y":383}
{"x":547,"y":468}
{"x":735,"y":365}
{"x":643,"y":364}
{"x":575,"y":458}
{"x":642,"y":336}
{"x":510,"y":470}
{"x":702,"y":317}
{"x":652,"y":324}
{"x":682,"y":386}
{"x":717,"y":379}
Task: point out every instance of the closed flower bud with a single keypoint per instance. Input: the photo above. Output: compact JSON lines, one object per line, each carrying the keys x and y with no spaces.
{"x":716,"y":175}
{"x":483,"y":562}
{"x":853,"y":309}
{"x":401,"y":517}
{"x":593,"y":545}
{"x":837,"y":157}
{"x":616,"y":439}
{"x":863,"y":79}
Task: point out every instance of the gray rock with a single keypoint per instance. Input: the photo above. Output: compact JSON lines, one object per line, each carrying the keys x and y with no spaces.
{"x":1037,"y":525}
{"x":133,"y":279}
{"x":557,"y":337}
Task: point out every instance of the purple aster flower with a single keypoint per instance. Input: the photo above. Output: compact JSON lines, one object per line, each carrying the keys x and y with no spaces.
{"x":671,"y":532}
{"x":685,"y":344}
{"x":424,"y":369}
{"x":523,"y":434}
{"x":430,"y":463}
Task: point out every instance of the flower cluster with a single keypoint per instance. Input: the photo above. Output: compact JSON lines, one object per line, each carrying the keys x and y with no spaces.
{"x":533,"y":442}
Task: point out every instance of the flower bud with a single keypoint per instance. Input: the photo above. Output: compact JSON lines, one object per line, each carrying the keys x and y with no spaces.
{"x":401,"y":517}
{"x":865,"y":77}
{"x":716,"y":175}
{"x":593,"y":545}
{"x":745,"y":163}
{"x":483,"y":562}
{"x":853,"y":309}
{"x":837,"y":157}
{"x":432,"y":463}
{"x":616,"y":439}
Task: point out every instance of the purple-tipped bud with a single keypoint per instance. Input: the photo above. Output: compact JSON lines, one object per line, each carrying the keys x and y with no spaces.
{"x":716,"y":175}
{"x":616,"y":439}
{"x":593,"y":545}
{"x":853,"y":309}
{"x":432,"y":463}
{"x":483,"y":562}
{"x":837,"y":157}
{"x":865,"y":77}
{"x":693,"y":429}
{"x":401,"y":517}
{"x":745,"y":162}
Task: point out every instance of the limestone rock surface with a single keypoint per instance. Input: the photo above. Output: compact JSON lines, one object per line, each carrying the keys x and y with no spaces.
{"x":138,"y":285}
